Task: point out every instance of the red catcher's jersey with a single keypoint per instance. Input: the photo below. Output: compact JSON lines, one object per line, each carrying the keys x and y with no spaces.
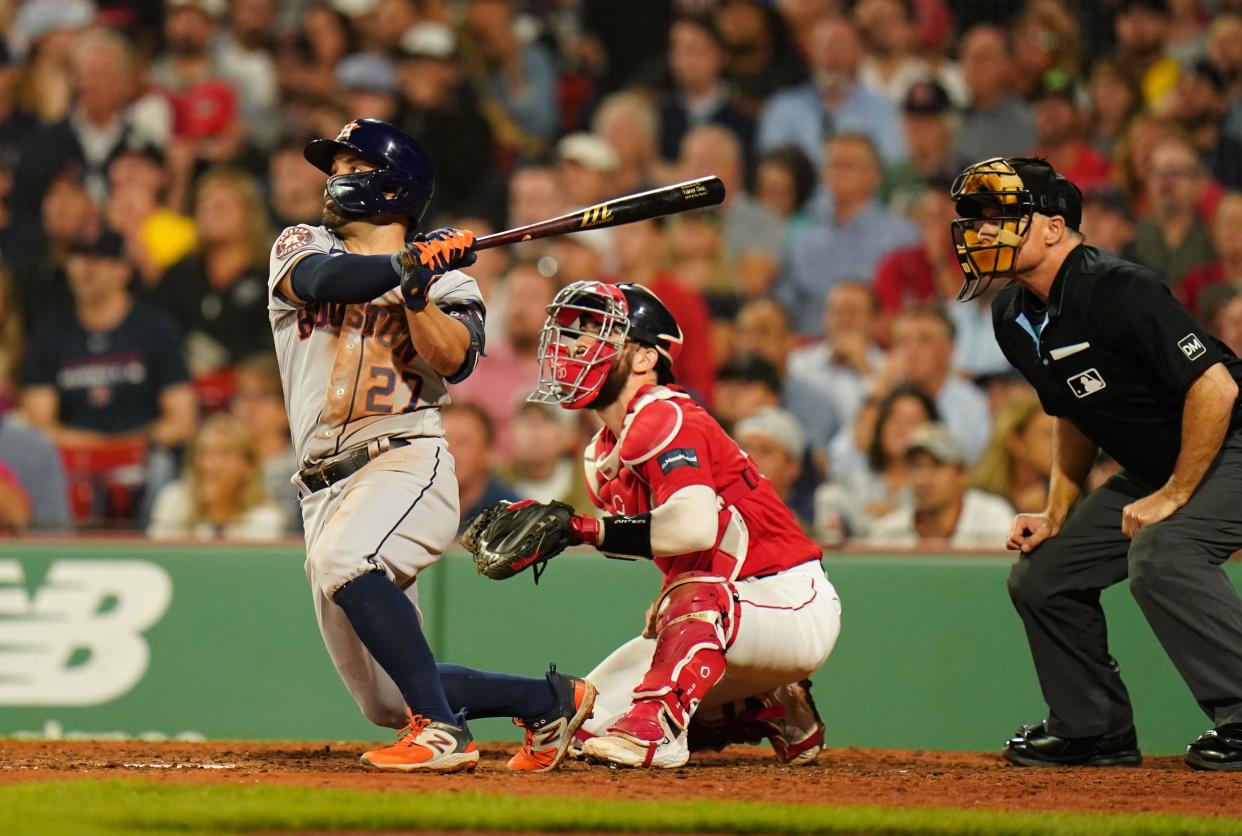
{"x":669,"y":442}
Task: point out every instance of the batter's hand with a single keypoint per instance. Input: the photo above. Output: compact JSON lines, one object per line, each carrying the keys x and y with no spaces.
{"x":430,"y":256}
{"x":1029,"y":530}
{"x":1147,"y":511}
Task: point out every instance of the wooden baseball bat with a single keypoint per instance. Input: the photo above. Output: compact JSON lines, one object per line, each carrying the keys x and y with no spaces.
{"x":666,"y":200}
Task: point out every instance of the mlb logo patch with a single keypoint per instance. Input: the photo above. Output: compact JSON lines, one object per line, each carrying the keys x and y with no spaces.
{"x":670,"y":460}
{"x":1086,"y":383}
{"x":1192,"y":346}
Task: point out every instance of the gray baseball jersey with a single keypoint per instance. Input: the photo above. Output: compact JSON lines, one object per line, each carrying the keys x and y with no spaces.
{"x":350,"y":372}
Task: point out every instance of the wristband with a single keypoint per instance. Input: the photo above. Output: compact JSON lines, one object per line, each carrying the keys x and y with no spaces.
{"x":628,"y":537}
{"x":584,"y":529}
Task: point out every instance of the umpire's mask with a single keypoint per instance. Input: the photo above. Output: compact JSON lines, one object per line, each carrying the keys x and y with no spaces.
{"x":990,"y":195}
{"x":1001,"y":196}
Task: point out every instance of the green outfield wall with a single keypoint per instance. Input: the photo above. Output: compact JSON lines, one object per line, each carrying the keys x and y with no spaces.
{"x":128,"y":638}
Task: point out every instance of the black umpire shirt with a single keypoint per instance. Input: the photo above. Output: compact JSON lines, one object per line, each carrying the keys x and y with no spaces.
{"x":1113,"y":352}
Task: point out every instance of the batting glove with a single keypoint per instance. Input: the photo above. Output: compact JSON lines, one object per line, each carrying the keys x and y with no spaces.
{"x":427,"y":258}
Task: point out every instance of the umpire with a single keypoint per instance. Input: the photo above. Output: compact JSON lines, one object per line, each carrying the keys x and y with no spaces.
{"x":1126,"y":369}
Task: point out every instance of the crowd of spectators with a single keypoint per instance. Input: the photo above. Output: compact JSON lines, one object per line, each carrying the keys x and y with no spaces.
{"x":149,"y":153}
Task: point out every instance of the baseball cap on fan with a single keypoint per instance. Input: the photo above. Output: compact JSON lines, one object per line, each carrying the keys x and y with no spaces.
{"x":214,"y":9}
{"x":926,"y":98}
{"x":428,"y":40}
{"x":38,"y":18}
{"x":1053,"y":194}
{"x":777,"y":424}
{"x":588,"y":150}
{"x":936,"y":441}
{"x":366,"y":71}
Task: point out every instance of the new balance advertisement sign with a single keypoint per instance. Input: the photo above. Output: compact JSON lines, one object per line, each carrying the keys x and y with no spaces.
{"x":76,"y":638}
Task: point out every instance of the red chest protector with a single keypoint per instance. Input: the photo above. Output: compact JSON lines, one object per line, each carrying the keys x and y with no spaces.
{"x":667,"y":442}
{"x":623,"y":495}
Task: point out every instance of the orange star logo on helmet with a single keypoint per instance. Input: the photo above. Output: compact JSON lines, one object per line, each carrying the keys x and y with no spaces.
{"x":346,"y":131}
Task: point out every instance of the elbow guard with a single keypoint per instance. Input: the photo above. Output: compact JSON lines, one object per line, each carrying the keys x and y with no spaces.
{"x":471,"y":315}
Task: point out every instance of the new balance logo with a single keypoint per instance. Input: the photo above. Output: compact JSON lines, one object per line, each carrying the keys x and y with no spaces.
{"x":1086,"y":383}
{"x":437,"y":741}
{"x":77,"y":640}
{"x":1192,"y":346}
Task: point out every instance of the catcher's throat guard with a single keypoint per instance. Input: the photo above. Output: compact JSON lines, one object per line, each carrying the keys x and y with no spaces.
{"x":994,"y":210}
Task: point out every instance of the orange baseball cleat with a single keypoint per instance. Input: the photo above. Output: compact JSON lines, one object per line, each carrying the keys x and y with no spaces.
{"x":548,"y":738}
{"x":427,"y":745}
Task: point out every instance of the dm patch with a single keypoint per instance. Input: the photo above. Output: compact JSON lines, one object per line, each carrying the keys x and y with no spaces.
{"x":293,"y":239}
{"x":670,"y":460}
{"x":1192,"y":346}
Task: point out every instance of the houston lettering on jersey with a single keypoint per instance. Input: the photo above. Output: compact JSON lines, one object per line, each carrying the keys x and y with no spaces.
{"x":350,"y":371}
{"x":383,"y":323}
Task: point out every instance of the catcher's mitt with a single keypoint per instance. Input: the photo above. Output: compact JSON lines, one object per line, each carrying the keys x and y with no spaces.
{"x":508,"y":537}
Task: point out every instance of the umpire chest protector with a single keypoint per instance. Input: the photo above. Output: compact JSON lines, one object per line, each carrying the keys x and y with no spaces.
{"x":1114,"y":352}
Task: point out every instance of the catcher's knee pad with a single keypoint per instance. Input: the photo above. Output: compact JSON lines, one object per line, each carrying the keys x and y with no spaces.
{"x":696,"y":617}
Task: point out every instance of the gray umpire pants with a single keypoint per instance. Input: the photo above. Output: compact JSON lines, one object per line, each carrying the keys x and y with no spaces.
{"x":1175,"y":574}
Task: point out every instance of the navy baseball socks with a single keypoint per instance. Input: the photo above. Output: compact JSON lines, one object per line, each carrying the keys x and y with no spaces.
{"x":434,"y":739}
{"x":485,"y":694}
{"x":387,"y":623}
{"x":549,"y":710}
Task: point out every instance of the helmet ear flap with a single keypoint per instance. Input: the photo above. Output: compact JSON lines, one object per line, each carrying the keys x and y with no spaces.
{"x":402,"y":182}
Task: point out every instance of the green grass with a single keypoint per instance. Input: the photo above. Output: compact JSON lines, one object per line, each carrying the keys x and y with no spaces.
{"x":144,"y":807}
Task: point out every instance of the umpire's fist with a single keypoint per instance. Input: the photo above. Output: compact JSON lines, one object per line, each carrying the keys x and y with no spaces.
{"x":430,"y":256}
{"x":1029,"y":530}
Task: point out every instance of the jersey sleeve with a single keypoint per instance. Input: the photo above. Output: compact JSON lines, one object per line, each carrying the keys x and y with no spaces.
{"x":667,"y":452}
{"x":294,"y":244}
{"x":455,"y":288}
{"x":1163,"y":336}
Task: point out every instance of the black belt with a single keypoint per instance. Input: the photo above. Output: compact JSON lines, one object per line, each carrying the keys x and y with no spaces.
{"x":328,"y":472}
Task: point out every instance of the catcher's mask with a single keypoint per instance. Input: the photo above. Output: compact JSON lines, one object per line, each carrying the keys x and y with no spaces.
{"x":587,"y":326}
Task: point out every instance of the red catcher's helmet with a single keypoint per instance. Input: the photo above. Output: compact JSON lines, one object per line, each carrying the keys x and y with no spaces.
{"x":607,"y":315}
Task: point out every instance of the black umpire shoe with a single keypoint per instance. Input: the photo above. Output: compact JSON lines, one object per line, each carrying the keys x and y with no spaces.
{"x":1034,"y":746}
{"x":1218,"y":749}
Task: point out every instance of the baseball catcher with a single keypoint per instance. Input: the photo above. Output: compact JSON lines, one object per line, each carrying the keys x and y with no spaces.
{"x":745,"y":613}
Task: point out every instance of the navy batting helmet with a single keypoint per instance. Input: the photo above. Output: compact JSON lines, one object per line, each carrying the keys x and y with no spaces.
{"x":404,"y":170}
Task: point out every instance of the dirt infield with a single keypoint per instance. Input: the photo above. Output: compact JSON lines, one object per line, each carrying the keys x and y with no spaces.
{"x":841,"y":777}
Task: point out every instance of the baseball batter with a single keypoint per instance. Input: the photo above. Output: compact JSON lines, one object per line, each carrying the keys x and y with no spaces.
{"x":745,"y":612}
{"x":368,"y":326}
